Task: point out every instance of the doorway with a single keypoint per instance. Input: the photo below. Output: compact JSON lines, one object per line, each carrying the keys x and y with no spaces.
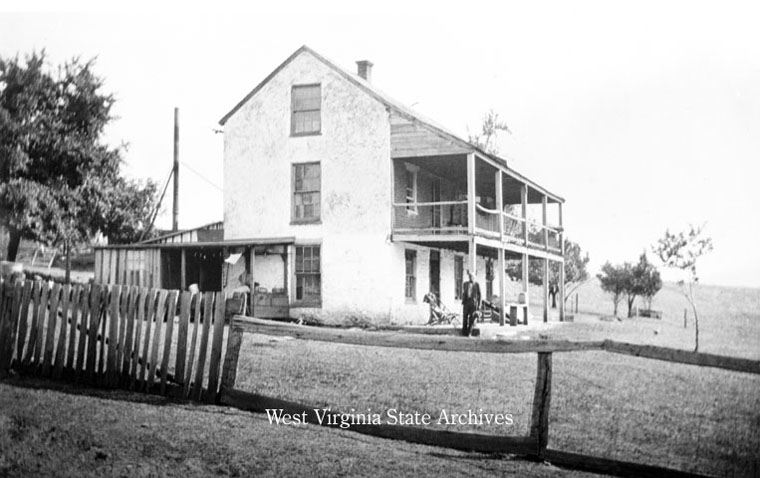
{"x":435,"y":273}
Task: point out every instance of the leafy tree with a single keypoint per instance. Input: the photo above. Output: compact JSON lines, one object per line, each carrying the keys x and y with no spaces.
{"x":649,"y":280}
{"x":576,"y":273}
{"x":614,"y":280}
{"x":681,"y":251}
{"x":59,"y":184}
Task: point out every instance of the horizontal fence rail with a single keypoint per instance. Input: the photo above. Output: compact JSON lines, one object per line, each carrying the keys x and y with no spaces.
{"x":534,"y":445}
{"x":149,"y":340}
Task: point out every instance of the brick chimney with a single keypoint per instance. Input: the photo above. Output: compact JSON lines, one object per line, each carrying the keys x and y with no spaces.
{"x":364,"y":69}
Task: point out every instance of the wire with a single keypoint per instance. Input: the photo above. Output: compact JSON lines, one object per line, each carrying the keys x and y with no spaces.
{"x":202,"y":176}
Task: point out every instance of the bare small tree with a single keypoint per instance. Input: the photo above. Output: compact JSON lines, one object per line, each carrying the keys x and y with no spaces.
{"x":489,"y":129}
{"x":681,"y":251}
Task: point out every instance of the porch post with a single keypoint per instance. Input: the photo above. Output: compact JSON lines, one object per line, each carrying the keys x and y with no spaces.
{"x":500,"y":207}
{"x":546,"y":261}
{"x":525,"y":261}
{"x":561,"y":267}
{"x":502,"y":287}
{"x":472,"y":261}
{"x":471,"y":193}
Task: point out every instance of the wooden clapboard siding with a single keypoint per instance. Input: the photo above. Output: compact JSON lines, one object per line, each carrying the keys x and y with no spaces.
{"x":216,"y":348}
{"x":171,"y":309}
{"x":98,"y":265}
{"x":113,"y":269}
{"x":413,"y":139}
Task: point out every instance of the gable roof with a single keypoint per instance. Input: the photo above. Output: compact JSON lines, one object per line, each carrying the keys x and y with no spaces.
{"x":395,"y":106}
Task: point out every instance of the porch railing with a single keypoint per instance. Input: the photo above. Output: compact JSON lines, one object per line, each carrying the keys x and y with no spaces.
{"x":450,"y":217}
{"x":440,"y":217}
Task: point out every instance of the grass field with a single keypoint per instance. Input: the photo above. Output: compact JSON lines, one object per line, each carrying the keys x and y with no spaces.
{"x":679,"y":416}
{"x":90,"y":433}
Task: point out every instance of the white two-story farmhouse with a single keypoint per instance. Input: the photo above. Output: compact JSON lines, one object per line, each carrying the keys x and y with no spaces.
{"x":367,"y":205}
{"x":343,"y":205}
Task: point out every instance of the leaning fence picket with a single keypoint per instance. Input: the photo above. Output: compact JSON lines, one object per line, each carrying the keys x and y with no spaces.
{"x":92,"y":332}
{"x":159,"y":320}
{"x":113,"y":334}
{"x":216,"y":348}
{"x":184,"y":321}
{"x":208,"y":299}
{"x":140,"y":307}
{"x":193,"y":341}
{"x":47,"y":358}
{"x":24,"y":320}
{"x":171,"y":309}
{"x":149,"y":318}
{"x":60,"y":351}
{"x":129,"y":331}
{"x":84,"y":318}
{"x":38,"y":344}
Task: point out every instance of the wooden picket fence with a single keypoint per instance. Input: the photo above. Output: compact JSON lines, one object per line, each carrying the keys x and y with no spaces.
{"x":128,"y":337}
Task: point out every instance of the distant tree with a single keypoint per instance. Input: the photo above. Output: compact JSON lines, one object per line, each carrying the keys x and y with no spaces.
{"x":489,"y":130}
{"x":59,"y":183}
{"x":576,"y":272}
{"x":649,"y":280}
{"x":613,"y":279}
{"x":681,"y":251}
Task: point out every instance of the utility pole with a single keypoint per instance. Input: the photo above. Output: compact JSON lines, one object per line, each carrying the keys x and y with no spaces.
{"x":175,"y":172}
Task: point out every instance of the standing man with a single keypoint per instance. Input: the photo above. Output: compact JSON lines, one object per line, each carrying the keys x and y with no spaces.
{"x":470,"y":303}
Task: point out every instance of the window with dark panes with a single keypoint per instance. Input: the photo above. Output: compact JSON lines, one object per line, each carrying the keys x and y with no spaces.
{"x":308,"y":275}
{"x":306,"y":192}
{"x":306,"y":103}
{"x":411,"y":274}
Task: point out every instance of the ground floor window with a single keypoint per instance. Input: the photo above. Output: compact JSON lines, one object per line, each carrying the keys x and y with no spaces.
{"x":411,"y":274}
{"x":308,"y":275}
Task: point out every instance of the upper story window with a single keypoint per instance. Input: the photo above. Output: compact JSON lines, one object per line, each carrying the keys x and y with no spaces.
{"x":306,"y":192}
{"x":306,"y":110}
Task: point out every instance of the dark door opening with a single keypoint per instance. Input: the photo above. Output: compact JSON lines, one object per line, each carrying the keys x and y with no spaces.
{"x":435,"y":273}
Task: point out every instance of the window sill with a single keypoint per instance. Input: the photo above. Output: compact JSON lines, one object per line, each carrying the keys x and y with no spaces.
{"x":296,"y":135}
{"x":305,"y":222}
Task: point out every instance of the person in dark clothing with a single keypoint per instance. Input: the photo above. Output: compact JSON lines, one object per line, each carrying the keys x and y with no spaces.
{"x":470,"y":303}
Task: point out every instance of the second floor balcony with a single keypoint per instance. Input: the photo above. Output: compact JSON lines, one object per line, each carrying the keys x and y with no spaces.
{"x":455,"y":197}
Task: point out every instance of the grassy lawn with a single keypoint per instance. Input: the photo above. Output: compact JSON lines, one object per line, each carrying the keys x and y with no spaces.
{"x":47,"y":433}
{"x":679,"y":416}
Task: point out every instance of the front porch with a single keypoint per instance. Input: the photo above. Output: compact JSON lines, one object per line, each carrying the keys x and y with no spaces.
{"x":474,"y":204}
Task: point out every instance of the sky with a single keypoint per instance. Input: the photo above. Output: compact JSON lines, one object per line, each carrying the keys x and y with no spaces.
{"x":644,"y":116}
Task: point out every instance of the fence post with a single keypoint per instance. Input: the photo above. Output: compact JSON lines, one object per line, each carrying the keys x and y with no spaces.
{"x":229,"y":369}
{"x":539,"y":420}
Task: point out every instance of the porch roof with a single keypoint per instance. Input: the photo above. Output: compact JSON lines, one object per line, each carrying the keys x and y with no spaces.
{"x":201,"y":245}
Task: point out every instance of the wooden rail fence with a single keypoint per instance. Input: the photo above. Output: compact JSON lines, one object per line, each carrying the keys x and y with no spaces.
{"x":128,"y":337}
{"x":535,"y":445}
